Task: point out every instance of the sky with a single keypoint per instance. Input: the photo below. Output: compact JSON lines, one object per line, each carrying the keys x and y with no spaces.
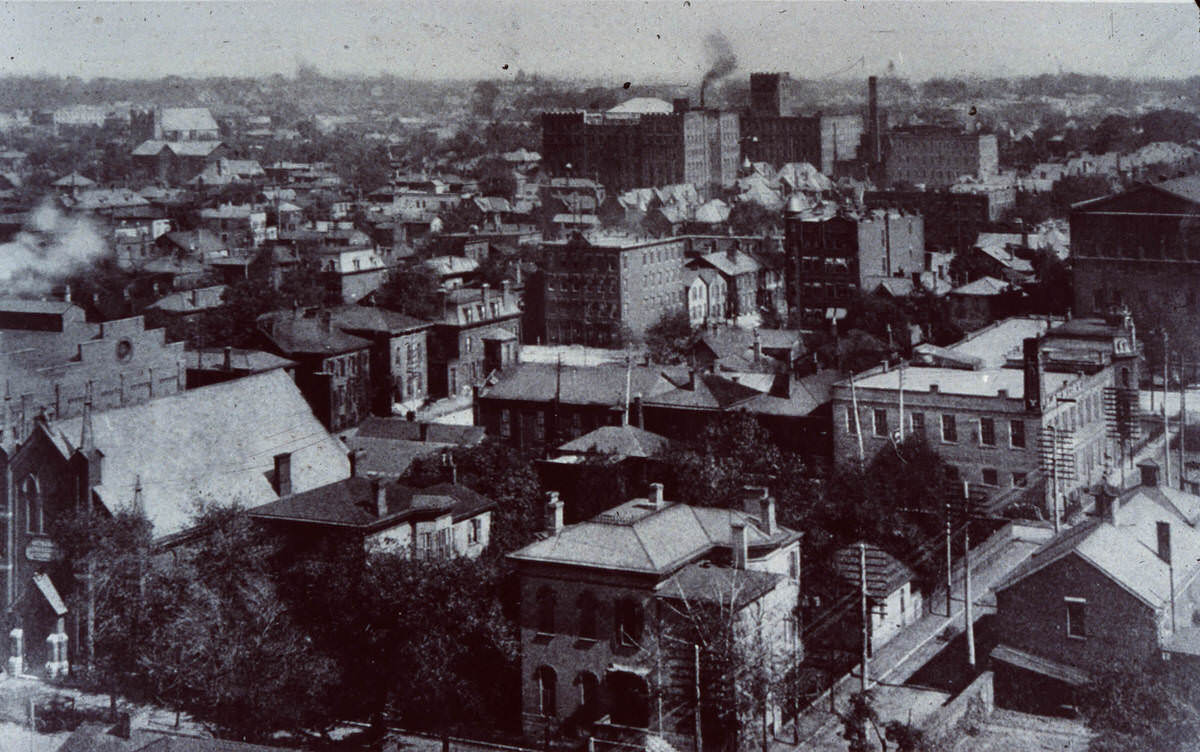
{"x":619,"y":40}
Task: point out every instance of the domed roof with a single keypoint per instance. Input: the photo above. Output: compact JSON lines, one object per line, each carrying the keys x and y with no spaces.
{"x":796,"y":204}
{"x":645,"y":105}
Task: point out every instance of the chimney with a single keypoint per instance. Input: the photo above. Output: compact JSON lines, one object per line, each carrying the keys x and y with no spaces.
{"x":680,"y":104}
{"x":228,"y":358}
{"x":326,"y":321}
{"x":741,"y":547}
{"x":757,"y":347}
{"x":1149,"y":471}
{"x":655,"y":496}
{"x":451,"y":469}
{"x":506,"y":292}
{"x":933,"y":388}
{"x":352,"y":455}
{"x":122,"y":729}
{"x":1032,"y":363}
{"x":873,"y":119}
{"x":423,"y":431}
{"x":554,"y":513}
{"x":691,"y":382}
{"x":1164,"y":540}
{"x":379,"y":491}
{"x":282,"y":482}
{"x":67,"y":294}
{"x":731,"y":252}
{"x":638,"y":416}
{"x":757,"y":501}
{"x":486,"y":288}
{"x":192,"y":297}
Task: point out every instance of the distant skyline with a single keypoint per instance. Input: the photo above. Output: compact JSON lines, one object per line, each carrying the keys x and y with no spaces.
{"x":658,"y":41}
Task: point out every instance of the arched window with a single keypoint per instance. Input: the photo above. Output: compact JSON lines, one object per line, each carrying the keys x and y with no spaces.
{"x":31,"y":506}
{"x":545,"y":611}
{"x":547,"y":687}
{"x":587,"y":615}
{"x":589,"y":696}
{"x":628,"y":622}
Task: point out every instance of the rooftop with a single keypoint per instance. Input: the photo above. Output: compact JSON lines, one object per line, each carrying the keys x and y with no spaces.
{"x":308,"y":333}
{"x":986,"y":382}
{"x":252,"y":361}
{"x":585,"y":385}
{"x":352,"y":503}
{"x":623,"y":441}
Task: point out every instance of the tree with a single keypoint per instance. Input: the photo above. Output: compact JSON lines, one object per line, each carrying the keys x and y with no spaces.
{"x":413,"y":290}
{"x":496,"y":179}
{"x":670,"y":339}
{"x":483,"y":98}
{"x":1155,"y":708}
{"x":752,"y":218}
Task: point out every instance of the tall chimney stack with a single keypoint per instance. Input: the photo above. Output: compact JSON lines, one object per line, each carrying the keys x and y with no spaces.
{"x":554,"y":513}
{"x":741,"y":546}
{"x":873,"y":119}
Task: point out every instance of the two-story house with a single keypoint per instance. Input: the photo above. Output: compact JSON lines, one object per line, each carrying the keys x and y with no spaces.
{"x":1120,"y":589}
{"x":399,"y":353}
{"x":605,"y":604}
{"x":477,"y":333}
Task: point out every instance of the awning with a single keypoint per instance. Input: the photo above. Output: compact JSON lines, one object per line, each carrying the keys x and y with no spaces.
{"x":51,"y":593}
{"x":1040,"y":665}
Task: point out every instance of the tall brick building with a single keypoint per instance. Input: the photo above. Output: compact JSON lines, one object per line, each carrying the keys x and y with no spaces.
{"x":830,"y":256}
{"x":1141,"y":249}
{"x":934,"y":155}
{"x":600,"y":289}
{"x":642,"y":144}
{"x":774,"y":131}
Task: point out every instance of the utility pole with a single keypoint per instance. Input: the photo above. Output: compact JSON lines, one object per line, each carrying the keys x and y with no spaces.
{"x":1183,"y":385}
{"x":696,"y":664}
{"x":862,"y":586}
{"x":1054,"y":477}
{"x":1166,"y":422}
{"x":949,"y":564}
{"x":901,"y":367}
{"x":857,"y":426}
{"x":967,"y":574}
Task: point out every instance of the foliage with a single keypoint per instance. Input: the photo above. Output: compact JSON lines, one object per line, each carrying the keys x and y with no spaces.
{"x":413,"y":290}
{"x":502,"y":474}
{"x":496,"y":179}
{"x":1054,"y":290}
{"x":859,"y":721}
{"x":752,"y":218}
{"x":235,"y":323}
{"x":1153,"y":708}
{"x":967,"y":266}
{"x":670,"y":339}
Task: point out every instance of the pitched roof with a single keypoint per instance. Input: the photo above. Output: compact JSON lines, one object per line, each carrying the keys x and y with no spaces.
{"x":884,"y":572}
{"x":352,"y":503}
{"x":252,"y":361}
{"x":708,"y":391}
{"x":187,"y":119}
{"x":983,"y":287}
{"x":181,"y":449}
{"x":395,"y":428}
{"x":74,"y":180}
{"x":307,"y":333}
{"x":592,"y":385}
{"x":638,"y":537}
{"x":372,"y":319}
{"x":192,"y":301}
{"x":624,"y":441}
{"x":1127,"y":552}
{"x":742,"y":263}
{"x":703,"y":582}
{"x":1186,"y":187}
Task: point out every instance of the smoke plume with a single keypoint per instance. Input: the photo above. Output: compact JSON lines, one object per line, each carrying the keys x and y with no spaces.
{"x":52,"y":247}
{"x":722,"y":60}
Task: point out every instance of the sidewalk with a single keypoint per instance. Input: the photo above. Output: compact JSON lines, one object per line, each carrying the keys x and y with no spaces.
{"x":896,"y":661}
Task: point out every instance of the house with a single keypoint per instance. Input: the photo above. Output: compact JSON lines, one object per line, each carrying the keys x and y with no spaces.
{"x":174,"y":162}
{"x":165,"y":456}
{"x":477,"y":334}
{"x":604,"y":603}
{"x":399,"y":353}
{"x":440,"y":521}
{"x":351,"y":273}
{"x":387,"y":447}
{"x":893,"y":600}
{"x":980,"y":301}
{"x":1121,"y":589}
{"x":740,"y":272}
{"x":739,"y":350}
{"x":334,"y":368}
{"x":237,"y":226}
{"x":536,"y":405}
{"x":173,"y":124}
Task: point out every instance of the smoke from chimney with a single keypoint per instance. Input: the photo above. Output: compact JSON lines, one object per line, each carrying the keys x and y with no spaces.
{"x":52,"y":246}
{"x":722,"y":60}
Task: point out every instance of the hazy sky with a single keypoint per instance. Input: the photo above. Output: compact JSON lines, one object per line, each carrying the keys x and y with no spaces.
{"x":620,"y":40}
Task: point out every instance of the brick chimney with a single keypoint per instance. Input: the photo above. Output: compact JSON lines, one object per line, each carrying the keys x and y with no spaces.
{"x":1107,"y":506}
{"x":1149,"y":471}
{"x":1163,"y":530}
{"x":352,"y":455}
{"x":379,"y":491}
{"x":228,"y":365}
{"x":506,"y":288}
{"x":758,"y":354}
{"x":655,"y":496}
{"x":554,"y":513}
{"x":282,"y":479}
{"x":757,"y":501}
{"x":739,"y":542}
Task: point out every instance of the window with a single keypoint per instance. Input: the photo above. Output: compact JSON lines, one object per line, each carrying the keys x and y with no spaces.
{"x":918,"y":423}
{"x":987,"y":431}
{"x":881,"y":422}
{"x":31,"y":504}
{"x":628,"y":622}
{"x":1076,"y":618}
{"x":474,"y":531}
{"x":949,"y":429}
{"x":589,"y":696}
{"x":539,"y":429}
{"x":426,"y":544}
{"x":851,"y":422}
{"x":545,"y":611}
{"x":1017,"y":434}
{"x":991,"y":477}
{"x":587,"y":616}
{"x":1019,"y":480}
{"x":547,"y":684}
{"x":794,"y":565}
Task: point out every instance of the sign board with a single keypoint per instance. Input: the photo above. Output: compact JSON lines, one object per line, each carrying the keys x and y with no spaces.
{"x":41,"y":549}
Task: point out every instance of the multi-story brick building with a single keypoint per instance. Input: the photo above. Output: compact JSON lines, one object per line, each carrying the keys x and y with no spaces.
{"x":1141,"y":249}
{"x":830,"y":256}
{"x":606,"y":603}
{"x":478,"y":332}
{"x":399,"y":353}
{"x":333,"y":368}
{"x":991,"y":408}
{"x":642,"y":144}
{"x":603,"y":289}
{"x":953,"y":220}
{"x":1120,"y":590}
{"x":53,"y":360}
{"x":935,"y":156}
{"x":774,"y":131}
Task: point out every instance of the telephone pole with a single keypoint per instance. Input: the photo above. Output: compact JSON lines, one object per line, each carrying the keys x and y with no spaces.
{"x":1183,"y":385}
{"x":967,"y":574}
{"x":862,"y":585}
{"x":1166,"y":421}
{"x":949,"y":563}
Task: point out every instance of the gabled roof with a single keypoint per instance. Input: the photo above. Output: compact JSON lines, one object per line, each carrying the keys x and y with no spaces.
{"x":885,"y":574}
{"x":982,"y":287}
{"x":74,"y":180}
{"x":371,"y":319}
{"x":592,"y":385}
{"x":741,"y":263}
{"x":708,"y":391}
{"x":192,"y":301}
{"x":351,"y":503}
{"x":639,"y":537}
{"x":200,"y":241}
{"x":307,"y":334}
{"x":180,"y":448}
{"x":623,"y":441}
{"x":703,"y":582}
{"x":187,"y":119}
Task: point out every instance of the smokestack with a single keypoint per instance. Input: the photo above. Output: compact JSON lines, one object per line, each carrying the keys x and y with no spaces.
{"x":554,"y":513}
{"x":741,"y":546}
{"x":873,"y":119}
